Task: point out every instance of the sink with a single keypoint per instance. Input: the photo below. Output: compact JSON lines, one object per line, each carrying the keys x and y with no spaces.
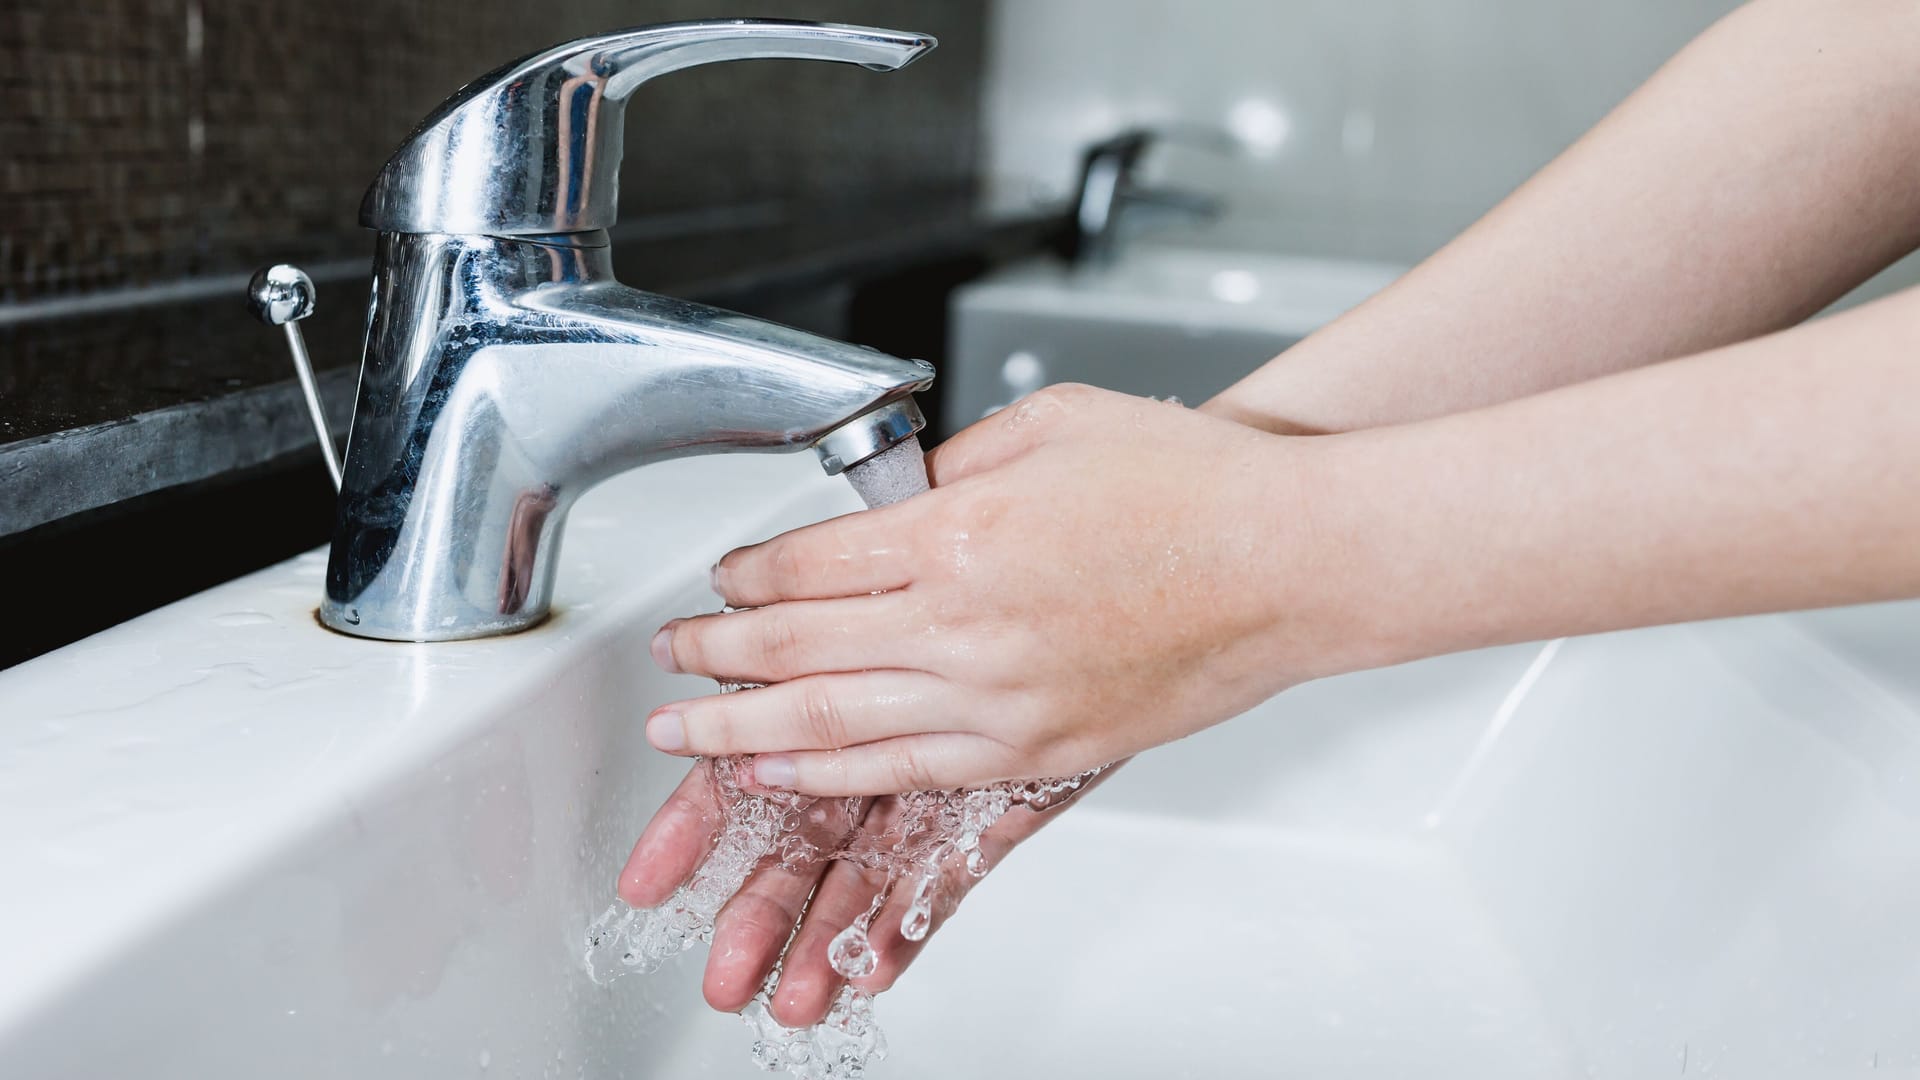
{"x":1161,"y":319}
{"x":237,"y":845}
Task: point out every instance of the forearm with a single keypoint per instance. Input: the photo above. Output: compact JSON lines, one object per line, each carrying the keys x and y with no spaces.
{"x":1761,"y":174}
{"x":1778,"y":474}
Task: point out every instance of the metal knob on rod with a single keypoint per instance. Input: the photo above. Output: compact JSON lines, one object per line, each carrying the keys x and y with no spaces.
{"x":281,"y":296}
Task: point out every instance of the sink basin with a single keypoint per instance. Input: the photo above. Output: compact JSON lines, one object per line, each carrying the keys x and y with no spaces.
{"x":236,"y":845}
{"x":1159,"y":320}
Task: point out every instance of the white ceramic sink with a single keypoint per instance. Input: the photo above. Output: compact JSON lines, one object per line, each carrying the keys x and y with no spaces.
{"x":234,"y":845}
{"x":1161,"y":319}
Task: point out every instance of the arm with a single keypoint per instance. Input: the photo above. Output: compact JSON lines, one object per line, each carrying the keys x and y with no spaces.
{"x":1777,"y":474}
{"x":1770,"y":167}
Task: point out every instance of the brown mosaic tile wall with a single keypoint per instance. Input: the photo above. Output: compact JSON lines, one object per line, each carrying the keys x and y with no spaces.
{"x":144,"y":141}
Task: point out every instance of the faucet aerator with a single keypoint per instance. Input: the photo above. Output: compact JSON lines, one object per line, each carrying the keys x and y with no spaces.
{"x":867,"y":435}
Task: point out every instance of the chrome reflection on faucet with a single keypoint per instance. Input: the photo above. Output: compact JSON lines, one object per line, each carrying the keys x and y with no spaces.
{"x":506,"y":371}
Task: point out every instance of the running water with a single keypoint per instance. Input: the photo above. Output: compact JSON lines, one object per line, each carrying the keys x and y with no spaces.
{"x":893,"y":475}
{"x":929,"y":835}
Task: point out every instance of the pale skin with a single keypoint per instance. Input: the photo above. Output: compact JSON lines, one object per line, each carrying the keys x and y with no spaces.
{"x":1595,"y":409}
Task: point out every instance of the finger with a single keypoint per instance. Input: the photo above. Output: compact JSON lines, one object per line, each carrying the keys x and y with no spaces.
{"x":807,"y":979}
{"x":890,"y":766}
{"x":895,"y":953}
{"x":994,"y":440}
{"x":788,"y":640}
{"x":852,"y":555}
{"x":674,"y":842}
{"x":750,"y":931}
{"x":817,"y":712}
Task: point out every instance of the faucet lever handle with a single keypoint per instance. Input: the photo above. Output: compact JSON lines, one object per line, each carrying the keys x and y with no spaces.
{"x":282,"y":295}
{"x":534,"y":147}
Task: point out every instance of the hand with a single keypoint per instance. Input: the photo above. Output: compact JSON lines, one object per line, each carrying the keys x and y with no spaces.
{"x":1093,"y":574}
{"x":752,"y":928}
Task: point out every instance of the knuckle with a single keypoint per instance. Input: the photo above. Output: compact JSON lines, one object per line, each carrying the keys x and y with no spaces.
{"x":1064,"y":398}
{"x":753,"y":916}
{"x":820,"y":716}
{"x":712,"y":728}
{"x":689,"y":644}
{"x":784,"y":570}
{"x":778,"y":645}
{"x":979,"y":512}
{"x":908,"y":770}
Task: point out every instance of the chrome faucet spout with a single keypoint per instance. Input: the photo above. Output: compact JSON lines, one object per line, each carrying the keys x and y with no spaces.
{"x":505,"y":377}
{"x":506,"y":371}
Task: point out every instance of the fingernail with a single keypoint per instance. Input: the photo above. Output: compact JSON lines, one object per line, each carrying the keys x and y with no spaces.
{"x":667,"y":730}
{"x":774,"y":771}
{"x":717,"y":578}
{"x":662,"y":649}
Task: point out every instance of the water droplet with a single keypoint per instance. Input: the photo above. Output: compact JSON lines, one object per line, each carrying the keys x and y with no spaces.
{"x":851,"y":953}
{"x":915,"y":924}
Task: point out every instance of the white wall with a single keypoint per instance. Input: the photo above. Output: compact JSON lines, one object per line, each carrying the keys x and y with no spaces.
{"x":1399,"y":121}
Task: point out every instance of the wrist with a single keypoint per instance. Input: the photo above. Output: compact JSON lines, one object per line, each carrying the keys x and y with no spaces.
{"x":1360,"y":529}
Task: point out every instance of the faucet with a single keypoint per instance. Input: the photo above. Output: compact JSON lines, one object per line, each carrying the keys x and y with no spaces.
{"x":1107,"y":192}
{"x":505,"y":371}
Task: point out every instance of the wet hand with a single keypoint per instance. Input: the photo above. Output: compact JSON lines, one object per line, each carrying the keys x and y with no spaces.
{"x":1092,"y":574}
{"x":753,"y":928}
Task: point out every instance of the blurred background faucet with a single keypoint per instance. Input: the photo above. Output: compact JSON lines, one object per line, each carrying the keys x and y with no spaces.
{"x":506,"y":371}
{"x":1110,"y":196}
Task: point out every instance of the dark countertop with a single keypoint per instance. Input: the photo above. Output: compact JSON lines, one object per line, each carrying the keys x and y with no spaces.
{"x":107,"y":398}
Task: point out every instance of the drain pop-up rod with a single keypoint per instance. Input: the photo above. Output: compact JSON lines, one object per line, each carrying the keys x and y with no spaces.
{"x":282,"y":295}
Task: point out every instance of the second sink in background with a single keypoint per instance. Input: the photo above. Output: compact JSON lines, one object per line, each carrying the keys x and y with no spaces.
{"x":1162,"y":319}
